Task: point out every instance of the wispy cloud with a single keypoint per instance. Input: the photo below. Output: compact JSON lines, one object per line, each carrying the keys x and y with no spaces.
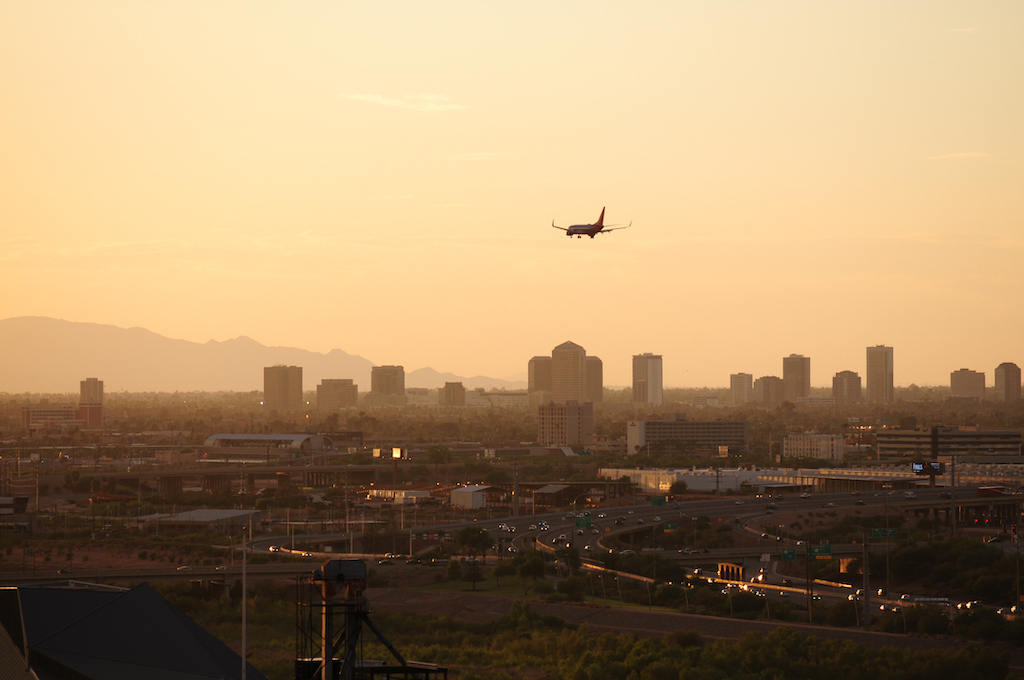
{"x":431,"y":103}
{"x":953,"y":156}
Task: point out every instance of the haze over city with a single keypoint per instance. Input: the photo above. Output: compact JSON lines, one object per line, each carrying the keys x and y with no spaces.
{"x":381,"y":179}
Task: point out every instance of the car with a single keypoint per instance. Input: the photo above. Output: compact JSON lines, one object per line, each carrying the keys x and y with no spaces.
{"x":184,"y":567}
{"x":512,"y":549}
{"x":533,"y":527}
{"x":738,"y":503}
{"x":385,"y":562}
{"x":625,"y":553}
{"x":221,"y":567}
{"x":544,"y":527}
{"x":831,"y":505}
{"x":657,"y":519}
{"x":600,"y":515}
{"x":805,"y":495}
{"x":639,"y":521}
{"x":306,"y":553}
{"x":274,"y":548}
{"x":861,"y":501}
{"x":561,"y":537}
{"x":881,"y":592}
{"x":783,"y":593}
{"x":596,"y":531}
{"x":851,"y":597}
{"x":391,"y":556}
{"x":579,"y":532}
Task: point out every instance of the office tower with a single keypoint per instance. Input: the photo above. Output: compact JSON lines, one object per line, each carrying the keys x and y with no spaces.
{"x":647,"y":383}
{"x":1007,"y":382}
{"x":452,"y":394}
{"x":388,"y":380}
{"x":741,"y":386}
{"x":846,"y":388}
{"x":90,"y":402}
{"x":333,"y":394}
{"x":967,"y":383}
{"x":879,"y":375}
{"x":595,"y":380}
{"x":769,"y":390}
{"x":568,"y":424}
{"x":282,"y":388}
{"x":796,"y":377}
{"x":568,"y":373}
{"x":540,"y":374}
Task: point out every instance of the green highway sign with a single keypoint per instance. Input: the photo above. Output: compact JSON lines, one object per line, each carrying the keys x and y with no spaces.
{"x":582,"y":522}
{"x":883,"y":533}
{"x":671,"y":525}
{"x":658,"y":500}
{"x":821,"y":552}
{"x":789,"y":553}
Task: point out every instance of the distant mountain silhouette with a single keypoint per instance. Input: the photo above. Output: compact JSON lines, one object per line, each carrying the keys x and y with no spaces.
{"x":39,"y":354}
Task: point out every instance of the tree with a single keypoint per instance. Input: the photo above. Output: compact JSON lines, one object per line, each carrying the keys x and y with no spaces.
{"x":439,"y":454}
{"x":454,"y":570}
{"x":503,"y":569}
{"x":531,"y":568}
{"x":475,"y":539}
{"x":472,"y":573}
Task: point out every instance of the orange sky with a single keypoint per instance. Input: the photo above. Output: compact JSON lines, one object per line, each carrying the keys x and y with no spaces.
{"x":802,"y":177}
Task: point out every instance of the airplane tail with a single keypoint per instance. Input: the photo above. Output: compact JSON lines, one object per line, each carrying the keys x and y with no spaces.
{"x":600,"y":220}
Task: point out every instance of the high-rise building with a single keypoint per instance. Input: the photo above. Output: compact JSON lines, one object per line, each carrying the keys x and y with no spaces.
{"x":768,"y":390}
{"x":540,"y":374}
{"x":846,"y":388}
{"x":741,"y":388}
{"x":568,"y":424}
{"x":452,"y":394}
{"x":282,"y":388}
{"x":90,"y":402}
{"x":333,"y":394}
{"x":568,"y":373}
{"x":967,"y":383}
{"x":1007,"y":382}
{"x":595,"y":380}
{"x":796,"y":377}
{"x":647,"y":382}
{"x":388,"y":380}
{"x":879,"y":375}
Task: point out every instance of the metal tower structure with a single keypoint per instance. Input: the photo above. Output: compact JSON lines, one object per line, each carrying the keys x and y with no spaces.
{"x":331,"y":613}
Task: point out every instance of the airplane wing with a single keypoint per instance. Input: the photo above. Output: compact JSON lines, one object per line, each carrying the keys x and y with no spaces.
{"x":558,"y":227}
{"x":615,"y":228}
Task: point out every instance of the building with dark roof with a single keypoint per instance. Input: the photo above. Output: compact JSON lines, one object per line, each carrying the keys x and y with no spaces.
{"x":72,"y":632}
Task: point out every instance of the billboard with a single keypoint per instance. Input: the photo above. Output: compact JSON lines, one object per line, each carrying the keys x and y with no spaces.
{"x":931,"y":467}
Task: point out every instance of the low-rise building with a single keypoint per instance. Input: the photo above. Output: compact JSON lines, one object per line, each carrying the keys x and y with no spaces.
{"x":813,"y":445}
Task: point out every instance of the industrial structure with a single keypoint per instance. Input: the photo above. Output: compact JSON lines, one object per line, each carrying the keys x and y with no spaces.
{"x":332,"y":613}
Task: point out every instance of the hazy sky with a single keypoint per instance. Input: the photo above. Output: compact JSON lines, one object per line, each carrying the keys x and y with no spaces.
{"x":802,"y":177}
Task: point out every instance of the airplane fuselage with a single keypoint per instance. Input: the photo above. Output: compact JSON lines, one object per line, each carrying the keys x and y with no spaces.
{"x":580,"y":230}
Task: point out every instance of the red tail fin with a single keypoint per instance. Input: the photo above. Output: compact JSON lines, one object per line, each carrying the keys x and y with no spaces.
{"x":600,"y":220}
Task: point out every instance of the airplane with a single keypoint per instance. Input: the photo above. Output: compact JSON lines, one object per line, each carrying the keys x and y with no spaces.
{"x":578,"y":230}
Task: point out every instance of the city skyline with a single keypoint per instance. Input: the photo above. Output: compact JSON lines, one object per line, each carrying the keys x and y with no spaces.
{"x":364,"y":177}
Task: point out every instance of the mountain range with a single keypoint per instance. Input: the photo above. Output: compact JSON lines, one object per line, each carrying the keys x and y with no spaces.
{"x":39,"y":354}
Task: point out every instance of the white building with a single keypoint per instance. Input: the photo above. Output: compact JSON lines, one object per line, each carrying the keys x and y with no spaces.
{"x":823,"y":446}
{"x":647,"y":380}
{"x":741,"y":387}
{"x":470,"y":497}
